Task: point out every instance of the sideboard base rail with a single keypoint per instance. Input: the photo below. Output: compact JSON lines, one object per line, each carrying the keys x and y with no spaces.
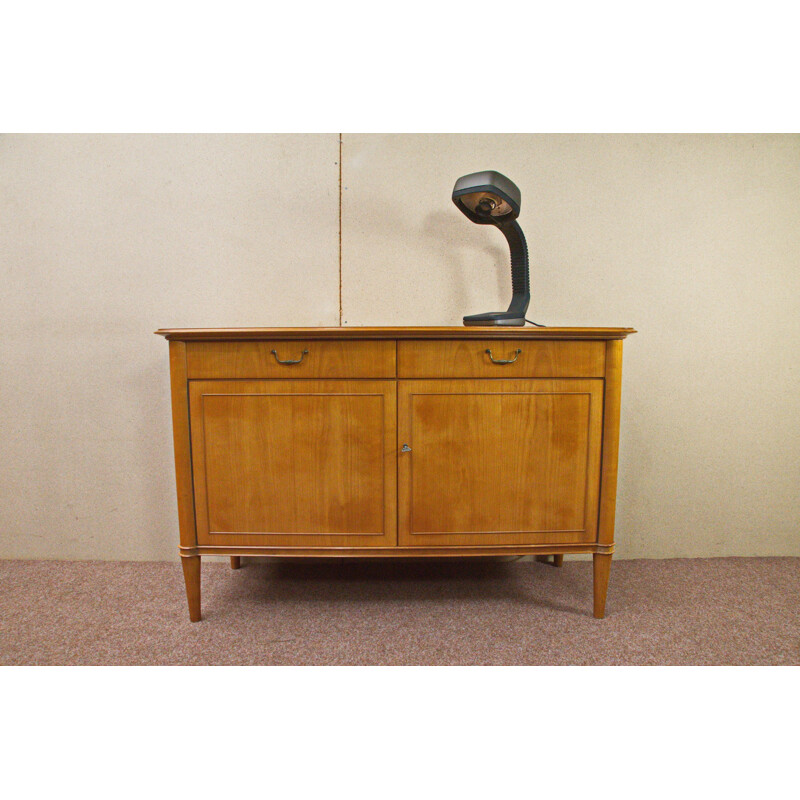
{"x":394,"y":552}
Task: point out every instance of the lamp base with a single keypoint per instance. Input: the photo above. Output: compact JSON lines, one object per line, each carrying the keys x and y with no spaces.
{"x":510,"y":318}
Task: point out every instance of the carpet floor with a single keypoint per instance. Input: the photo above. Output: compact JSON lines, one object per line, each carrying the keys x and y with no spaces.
{"x":460,"y":611}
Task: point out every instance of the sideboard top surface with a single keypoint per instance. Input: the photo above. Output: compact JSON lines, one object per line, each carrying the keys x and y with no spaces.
{"x":355,"y":332}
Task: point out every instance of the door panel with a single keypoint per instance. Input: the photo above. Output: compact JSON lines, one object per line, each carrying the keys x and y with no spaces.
{"x":294,"y":463}
{"x":499,"y":461}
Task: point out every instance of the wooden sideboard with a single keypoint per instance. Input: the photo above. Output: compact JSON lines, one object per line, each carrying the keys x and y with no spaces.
{"x":386,"y":442}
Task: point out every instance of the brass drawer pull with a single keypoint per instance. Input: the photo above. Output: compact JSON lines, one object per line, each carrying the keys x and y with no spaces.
{"x":498,"y":360}
{"x":287,"y":363}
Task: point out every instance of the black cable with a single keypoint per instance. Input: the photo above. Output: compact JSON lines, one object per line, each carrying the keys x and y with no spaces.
{"x":535,"y":323}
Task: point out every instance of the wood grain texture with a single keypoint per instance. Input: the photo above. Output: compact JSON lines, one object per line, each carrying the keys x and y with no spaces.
{"x":611,"y":412}
{"x":304,"y":460}
{"x":498,"y":462}
{"x":322,"y":359}
{"x":450,"y":332}
{"x":294,"y":462}
{"x":467,"y":358}
{"x":179,"y":389}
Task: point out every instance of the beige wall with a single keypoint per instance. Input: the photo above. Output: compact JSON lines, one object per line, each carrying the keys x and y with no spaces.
{"x":103,"y":240}
{"x":693,"y":240}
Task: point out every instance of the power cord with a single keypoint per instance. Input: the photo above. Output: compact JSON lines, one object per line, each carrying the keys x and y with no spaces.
{"x":535,"y":323}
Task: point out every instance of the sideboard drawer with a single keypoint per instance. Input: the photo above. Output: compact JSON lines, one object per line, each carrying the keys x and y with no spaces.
{"x":500,"y":358}
{"x":291,"y":359}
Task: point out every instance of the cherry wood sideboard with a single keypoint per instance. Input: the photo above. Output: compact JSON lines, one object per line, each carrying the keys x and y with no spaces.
{"x":387,"y":442}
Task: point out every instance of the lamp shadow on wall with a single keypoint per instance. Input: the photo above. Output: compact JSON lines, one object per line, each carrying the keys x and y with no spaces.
{"x":446,"y":242}
{"x":452,"y":257}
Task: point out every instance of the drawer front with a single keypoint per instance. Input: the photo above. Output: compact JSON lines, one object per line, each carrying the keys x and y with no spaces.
{"x":500,"y":358}
{"x":291,"y":359}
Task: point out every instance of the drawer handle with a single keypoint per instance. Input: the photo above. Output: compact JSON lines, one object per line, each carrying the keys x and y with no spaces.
{"x":500,"y":360}
{"x":287,"y":363}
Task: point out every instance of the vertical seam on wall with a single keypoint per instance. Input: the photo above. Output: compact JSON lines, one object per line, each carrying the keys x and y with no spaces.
{"x":340,"y":230}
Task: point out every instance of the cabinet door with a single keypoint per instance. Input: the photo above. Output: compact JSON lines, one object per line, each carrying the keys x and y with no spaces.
{"x":298,"y":463}
{"x":499,"y":462}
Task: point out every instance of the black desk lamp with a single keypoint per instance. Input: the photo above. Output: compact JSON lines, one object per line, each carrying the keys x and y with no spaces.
{"x":489,"y":198}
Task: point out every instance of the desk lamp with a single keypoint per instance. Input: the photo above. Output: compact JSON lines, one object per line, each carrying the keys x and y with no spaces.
{"x":489,"y":198}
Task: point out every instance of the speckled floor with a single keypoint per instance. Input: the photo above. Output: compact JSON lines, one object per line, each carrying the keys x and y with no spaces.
{"x":467,"y":611}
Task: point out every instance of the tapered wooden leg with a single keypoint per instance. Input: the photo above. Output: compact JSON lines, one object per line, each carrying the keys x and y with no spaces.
{"x":236,"y":562}
{"x":557,"y":561}
{"x":602,"y":568}
{"x":191,"y":574}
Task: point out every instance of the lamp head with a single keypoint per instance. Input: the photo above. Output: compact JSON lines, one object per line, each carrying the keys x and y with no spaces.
{"x":487,"y":198}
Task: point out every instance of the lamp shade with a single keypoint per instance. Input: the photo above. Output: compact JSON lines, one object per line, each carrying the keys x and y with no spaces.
{"x":487,"y":197}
